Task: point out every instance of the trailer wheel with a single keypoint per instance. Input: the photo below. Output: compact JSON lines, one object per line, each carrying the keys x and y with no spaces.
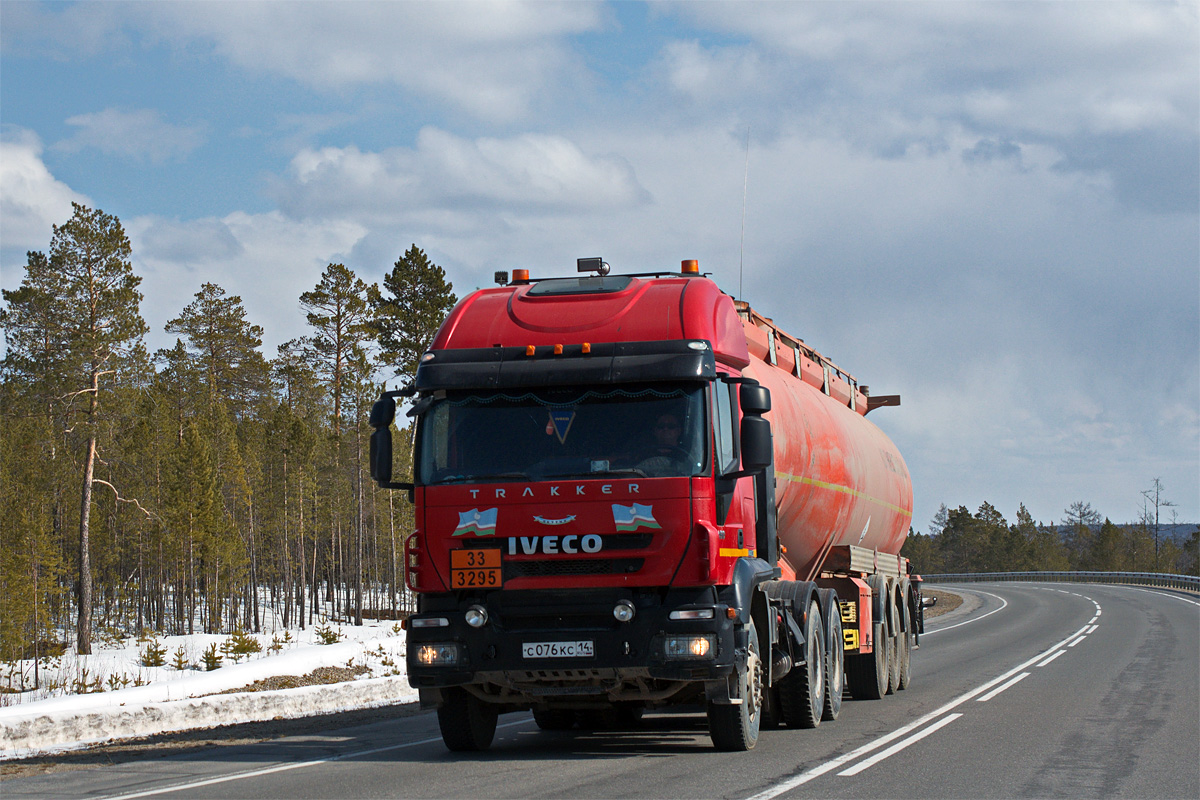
{"x":468,"y":724}
{"x":802,"y":691}
{"x":905,"y":644}
{"x":868,"y":674}
{"x":894,"y":647}
{"x":735,"y":727}
{"x":835,"y":667}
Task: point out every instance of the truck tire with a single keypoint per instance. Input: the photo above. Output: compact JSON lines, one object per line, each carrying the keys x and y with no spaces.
{"x":867,"y":674}
{"x":802,"y":691}
{"x":894,"y":645}
{"x":735,"y":727}
{"x":468,"y":724}
{"x":835,"y":664}
{"x":906,"y":642}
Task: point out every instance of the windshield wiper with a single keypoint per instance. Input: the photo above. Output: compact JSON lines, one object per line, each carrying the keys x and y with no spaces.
{"x":597,"y":473}
{"x":519,"y":476}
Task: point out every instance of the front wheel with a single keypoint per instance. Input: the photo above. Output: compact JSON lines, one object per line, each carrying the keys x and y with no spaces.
{"x":735,"y":727}
{"x":468,"y":724}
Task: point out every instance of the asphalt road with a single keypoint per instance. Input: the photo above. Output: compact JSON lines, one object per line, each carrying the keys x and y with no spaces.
{"x":1026,"y":690}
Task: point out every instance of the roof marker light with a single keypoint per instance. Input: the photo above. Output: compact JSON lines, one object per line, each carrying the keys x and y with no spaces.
{"x":558,"y":349}
{"x":587,"y":348}
{"x":529,"y":349}
{"x":690,"y":266}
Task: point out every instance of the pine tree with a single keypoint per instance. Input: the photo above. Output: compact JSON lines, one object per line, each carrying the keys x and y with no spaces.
{"x":95,"y":293}
{"x":338,"y":312}
{"x":1079,"y":521}
{"x":418,"y":298}
{"x":223,"y":347}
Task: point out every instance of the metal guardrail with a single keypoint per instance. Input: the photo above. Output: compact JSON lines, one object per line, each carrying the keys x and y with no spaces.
{"x":1187,"y":582}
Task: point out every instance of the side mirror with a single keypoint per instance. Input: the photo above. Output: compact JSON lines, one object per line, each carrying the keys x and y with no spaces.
{"x":756,"y":443}
{"x":755,"y":399}
{"x":381,"y":456}
{"x":383,"y":412}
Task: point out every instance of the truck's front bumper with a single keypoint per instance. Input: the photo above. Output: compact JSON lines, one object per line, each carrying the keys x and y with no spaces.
{"x":541,"y":646}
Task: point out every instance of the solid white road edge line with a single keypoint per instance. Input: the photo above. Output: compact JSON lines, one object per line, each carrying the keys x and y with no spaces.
{"x":1003,"y":605}
{"x":832,"y":764}
{"x":281,"y":768}
{"x":898,"y":746}
{"x":1162,"y":594}
{"x":1002,"y":687}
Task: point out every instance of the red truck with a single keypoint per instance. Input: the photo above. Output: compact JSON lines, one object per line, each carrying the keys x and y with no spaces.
{"x":633,"y":491}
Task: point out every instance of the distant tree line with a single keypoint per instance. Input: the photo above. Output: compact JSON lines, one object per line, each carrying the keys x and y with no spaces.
{"x":959,"y":541}
{"x":185,"y":489}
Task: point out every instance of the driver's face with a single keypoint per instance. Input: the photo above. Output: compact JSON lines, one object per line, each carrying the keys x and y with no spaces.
{"x":667,"y":431}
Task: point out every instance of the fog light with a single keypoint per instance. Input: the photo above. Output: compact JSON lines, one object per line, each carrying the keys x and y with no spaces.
{"x":477,"y":616}
{"x":692,"y":646}
{"x":438,"y":654}
{"x":624,"y":611}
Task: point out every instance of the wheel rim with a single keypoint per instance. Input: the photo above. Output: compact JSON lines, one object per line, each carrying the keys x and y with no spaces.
{"x":754,"y":682}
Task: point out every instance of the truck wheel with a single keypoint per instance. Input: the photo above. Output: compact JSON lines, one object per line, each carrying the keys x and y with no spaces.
{"x":802,"y":691}
{"x":735,"y":727}
{"x":906,"y":641}
{"x":894,"y":654}
{"x":468,"y":724}
{"x":835,"y":667}
{"x":868,"y":674}
{"x":554,"y":719}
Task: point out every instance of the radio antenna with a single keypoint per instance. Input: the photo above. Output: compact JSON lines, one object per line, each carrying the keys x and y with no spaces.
{"x":745,"y":185}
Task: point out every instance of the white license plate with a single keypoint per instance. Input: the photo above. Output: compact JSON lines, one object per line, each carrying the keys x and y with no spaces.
{"x":579,"y":649}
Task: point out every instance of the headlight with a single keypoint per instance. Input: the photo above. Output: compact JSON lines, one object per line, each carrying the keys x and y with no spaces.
{"x":624,"y":611}
{"x":697,"y":645}
{"x":438,"y":654}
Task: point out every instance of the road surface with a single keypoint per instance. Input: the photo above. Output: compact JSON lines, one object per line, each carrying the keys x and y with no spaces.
{"x":1026,"y":690}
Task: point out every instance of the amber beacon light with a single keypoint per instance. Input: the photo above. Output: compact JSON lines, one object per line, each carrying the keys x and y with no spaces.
{"x":690,"y":266}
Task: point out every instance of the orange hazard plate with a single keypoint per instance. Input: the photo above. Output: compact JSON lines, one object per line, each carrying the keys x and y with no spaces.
{"x":475,"y":569}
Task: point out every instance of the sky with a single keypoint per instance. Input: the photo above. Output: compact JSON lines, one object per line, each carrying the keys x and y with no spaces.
{"x":989,"y":208}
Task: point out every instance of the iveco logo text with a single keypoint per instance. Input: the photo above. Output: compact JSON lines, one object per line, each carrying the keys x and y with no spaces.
{"x":556,"y":491}
{"x":553,"y":545}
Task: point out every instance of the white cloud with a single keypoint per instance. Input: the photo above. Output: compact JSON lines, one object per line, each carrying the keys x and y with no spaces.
{"x":530,"y":173}
{"x":32,"y":200}
{"x":140,"y":134}
{"x":1052,"y":68}
{"x":267,"y":259}
{"x":494,"y":60}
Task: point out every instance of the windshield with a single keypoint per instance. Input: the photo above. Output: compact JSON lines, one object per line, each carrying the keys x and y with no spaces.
{"x":650,"y":431}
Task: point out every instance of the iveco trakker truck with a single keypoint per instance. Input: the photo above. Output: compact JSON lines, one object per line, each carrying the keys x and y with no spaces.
{"x":633,"y":492}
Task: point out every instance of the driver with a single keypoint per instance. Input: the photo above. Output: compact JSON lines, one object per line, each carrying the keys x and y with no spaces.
{"x":665,"y":453}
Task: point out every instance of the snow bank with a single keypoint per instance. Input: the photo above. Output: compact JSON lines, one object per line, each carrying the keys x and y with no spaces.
{"x":63,"y":729}
{"x":174,"y":700}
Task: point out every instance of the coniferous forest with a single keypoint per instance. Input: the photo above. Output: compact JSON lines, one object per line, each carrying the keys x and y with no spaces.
{"x":196,"y":488}
{"x":205,"y":487}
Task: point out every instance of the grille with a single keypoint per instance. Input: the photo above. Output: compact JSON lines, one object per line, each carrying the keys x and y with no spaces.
{"x":572,"y":566}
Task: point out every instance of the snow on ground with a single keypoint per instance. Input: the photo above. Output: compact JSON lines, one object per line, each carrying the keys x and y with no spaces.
{"x":126,"y":699}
